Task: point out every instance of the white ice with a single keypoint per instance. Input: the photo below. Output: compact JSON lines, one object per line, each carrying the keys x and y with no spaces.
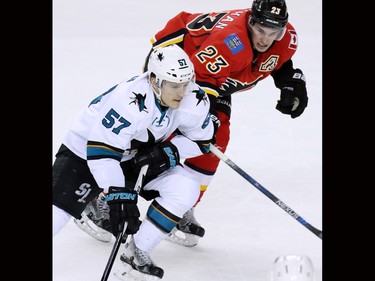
{"x":98,"y":43}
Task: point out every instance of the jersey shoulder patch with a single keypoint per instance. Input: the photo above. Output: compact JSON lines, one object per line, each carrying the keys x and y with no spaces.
{"x":234,"y":43}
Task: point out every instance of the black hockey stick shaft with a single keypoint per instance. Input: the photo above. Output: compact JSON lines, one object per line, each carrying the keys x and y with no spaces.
{"x":276,"y":200}
{"x":122,"y":236}
{"x":113,"y":255}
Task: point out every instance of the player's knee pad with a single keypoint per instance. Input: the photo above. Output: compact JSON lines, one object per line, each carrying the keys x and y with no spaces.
{"x":202,"y":178}
{"x":178,"y":189}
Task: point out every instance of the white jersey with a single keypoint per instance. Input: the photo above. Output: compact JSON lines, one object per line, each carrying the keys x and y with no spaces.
{"x":128,"y":116}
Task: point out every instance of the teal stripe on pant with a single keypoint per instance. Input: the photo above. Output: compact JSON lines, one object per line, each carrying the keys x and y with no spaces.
{"x":161,"y":218}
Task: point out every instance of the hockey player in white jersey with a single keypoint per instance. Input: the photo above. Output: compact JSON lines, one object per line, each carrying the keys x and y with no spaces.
{"x":123,"y":129}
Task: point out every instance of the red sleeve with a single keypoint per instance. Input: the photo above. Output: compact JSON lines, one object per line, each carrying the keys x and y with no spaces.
{"x":287,"y":46}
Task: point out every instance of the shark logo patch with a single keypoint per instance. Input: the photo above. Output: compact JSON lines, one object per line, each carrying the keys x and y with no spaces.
{"x":139,"y":100}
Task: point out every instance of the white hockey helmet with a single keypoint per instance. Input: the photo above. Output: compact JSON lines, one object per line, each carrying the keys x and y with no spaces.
{"x":172,"y":64}
{"x":293,"y":268}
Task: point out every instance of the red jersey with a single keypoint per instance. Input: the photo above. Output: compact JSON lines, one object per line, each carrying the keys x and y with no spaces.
{"x":219,"y":46}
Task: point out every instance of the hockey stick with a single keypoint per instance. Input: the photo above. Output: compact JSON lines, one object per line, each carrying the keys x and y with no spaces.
{"x":121,"y":236}
{"x":276,"y":200}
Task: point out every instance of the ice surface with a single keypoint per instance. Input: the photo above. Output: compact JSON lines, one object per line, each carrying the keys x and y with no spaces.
{"x":97,"y":44}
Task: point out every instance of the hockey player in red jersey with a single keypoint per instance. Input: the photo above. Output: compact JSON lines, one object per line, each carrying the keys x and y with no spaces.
{"x":232,"y":51}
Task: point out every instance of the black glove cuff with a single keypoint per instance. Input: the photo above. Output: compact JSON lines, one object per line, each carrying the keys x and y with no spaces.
{"x":224,"y":104}
{"x":172,"y":157}
{"x":297,"y":77}
{"x":287,"y":75}
{"x":121,"y":195}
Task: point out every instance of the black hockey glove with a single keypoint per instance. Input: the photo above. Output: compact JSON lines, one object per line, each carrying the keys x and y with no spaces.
{"x":216,"y":121}
{"x":160,"y":158}
{"x":122,"y":202}
{"x":293,"y":97}
{"x":214,"y":116}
